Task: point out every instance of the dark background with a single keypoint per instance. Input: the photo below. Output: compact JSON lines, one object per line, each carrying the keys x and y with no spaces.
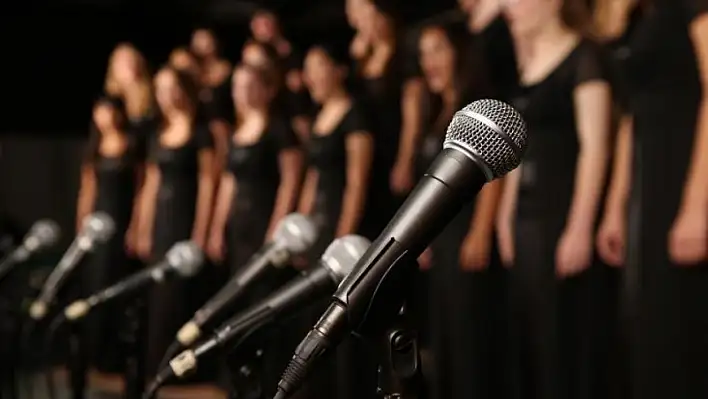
{"x":54,"y":53}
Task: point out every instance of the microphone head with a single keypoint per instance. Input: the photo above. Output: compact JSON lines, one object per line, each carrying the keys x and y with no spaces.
{"x":342,"y":254}
{"x":492,"y":133}
{"x":44,"y":233}
{"x":186,"y":258}
{"x":297,"y":233}
{"x":98,"y":226}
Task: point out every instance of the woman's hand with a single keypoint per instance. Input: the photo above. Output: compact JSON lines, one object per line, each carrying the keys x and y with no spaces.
{"x":688,"y":238}
{"x":505,"y":238}
{"x":143,"y":246}
{"x":475,"y":250}
{"x":425,"y":260}
{"x":401,"y":179}
{"x":215,"y":247}
{"x":130,"y":241}
{"x":574,"y":251}
{"x":611,"y":238}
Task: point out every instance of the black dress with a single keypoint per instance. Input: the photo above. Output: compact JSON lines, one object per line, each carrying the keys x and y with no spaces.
{"x":552,"y":321}
{"x":382,"y":97}
{"x":459,"y":302}
{"x":498,"y":48}
{"x":668,"y":302}
{"x":355,"y":370}
{"x":115,"y":193}
{"x":173,"y":302}
{"x":256,"y":169}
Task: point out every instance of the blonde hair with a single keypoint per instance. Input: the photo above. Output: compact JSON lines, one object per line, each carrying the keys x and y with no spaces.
{"x":140,"y":102}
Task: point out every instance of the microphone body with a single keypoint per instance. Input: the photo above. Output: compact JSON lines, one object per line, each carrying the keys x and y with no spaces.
{"x":294,"y":235}
{"x":335,"y":264}
{"x":97,"y":228}
{"x":133,"y":283}
{"x":42,"y":234}
{"x":477,"y":149}
{"x":183,"y":259}
{"x":258,"y":267}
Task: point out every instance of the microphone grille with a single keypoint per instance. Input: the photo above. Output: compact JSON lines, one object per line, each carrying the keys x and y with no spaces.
{"x":297,"y":232}
{"x":342,"y":255}
{"x":492,"y":132}
{"x":186,"y":258}
{"x":98,"y":226}
{"x":46,"y":232}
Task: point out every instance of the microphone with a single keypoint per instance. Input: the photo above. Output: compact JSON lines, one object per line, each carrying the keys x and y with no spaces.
{"x":184,"y":259}
{"x":43,"y":234}
{"x":484,"y":141}
{"x":295,"y":234}
{"x":97,"y":227}
{"x":337,"y":261}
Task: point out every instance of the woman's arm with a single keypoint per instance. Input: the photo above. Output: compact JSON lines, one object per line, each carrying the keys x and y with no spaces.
{"x":205,"y":196}
{"x":224,"y":199}
{"x":410,"y":133}
{"x":290,"y":161}
{"x":360,"y":147}
{"x":593,"y":105}
{"x":621,"y":170}
{"x":309,"y":189}
{"x":220,"y":132}
{"x":505,"y":217}
{"x":485,"y":211}
{"x":87,"y":194}
{"x":148,"y":199}
{"x":695,"y":194}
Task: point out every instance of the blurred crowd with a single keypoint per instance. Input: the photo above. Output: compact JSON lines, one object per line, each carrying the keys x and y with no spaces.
{"x":582,"y":274}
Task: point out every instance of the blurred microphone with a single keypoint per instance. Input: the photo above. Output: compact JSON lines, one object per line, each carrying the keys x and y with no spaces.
{"x":97,"y":227}
{"x":184,"y":260}
{"x":294,"y":235}
{"x":334,"y":265}
{"x":484,"y":141}
{"x":43,"y":234}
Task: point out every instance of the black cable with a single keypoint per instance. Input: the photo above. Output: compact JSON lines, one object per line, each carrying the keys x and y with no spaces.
{"x":45,"y":360}
{"x":171,"y":352}
{"x":27,"y":328}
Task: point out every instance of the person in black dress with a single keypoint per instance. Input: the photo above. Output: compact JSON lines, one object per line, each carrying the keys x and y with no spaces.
{"x":108,"y":184}
{"x":261,"y":183}
{"x":655,"y":220}
{"x":215,"y":105}
{"x":176,"y":202}
{"x":259,"y":187}
{"x":128,"y":78}
{"x":266,"y":29}
{"x":551,"y":203}
{"x":461,"y":255}
{"x":340,"y":153}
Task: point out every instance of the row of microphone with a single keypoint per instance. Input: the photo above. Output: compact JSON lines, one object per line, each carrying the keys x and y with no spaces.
{"x":485,"y":141}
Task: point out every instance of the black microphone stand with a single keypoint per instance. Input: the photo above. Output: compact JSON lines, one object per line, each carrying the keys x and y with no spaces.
{"x":246,"y":375}
{"x":132,"y":342}
{"x":395,"y":340}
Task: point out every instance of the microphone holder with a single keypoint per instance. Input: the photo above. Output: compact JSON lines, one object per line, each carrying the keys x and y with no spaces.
{"x":246,"y":376}
{"x":399,"y":374}
{"x":396,"y":344}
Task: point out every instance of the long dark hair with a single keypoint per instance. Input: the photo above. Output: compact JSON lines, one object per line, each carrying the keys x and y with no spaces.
{"x":576,"y":15}
{"x":189,"y":88}
{"x":470,"y":70}
{"x":94,"y":140}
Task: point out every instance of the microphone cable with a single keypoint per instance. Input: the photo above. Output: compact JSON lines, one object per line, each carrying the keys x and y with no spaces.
{"x":46,"y":354}
{"x":172,"y":351}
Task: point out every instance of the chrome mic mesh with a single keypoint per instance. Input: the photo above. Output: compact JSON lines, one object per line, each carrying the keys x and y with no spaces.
{"x":186,"y":258}
{"x":296,"y":232}
{"x":492,"y":132}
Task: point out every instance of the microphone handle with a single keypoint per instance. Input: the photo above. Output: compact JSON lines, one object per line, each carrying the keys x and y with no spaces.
{"x":61,"y":272}
{"x":254,"y":269}
{"x":132,"y":283}
{"x":9,"y":261}
{"x":303,"y":290}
